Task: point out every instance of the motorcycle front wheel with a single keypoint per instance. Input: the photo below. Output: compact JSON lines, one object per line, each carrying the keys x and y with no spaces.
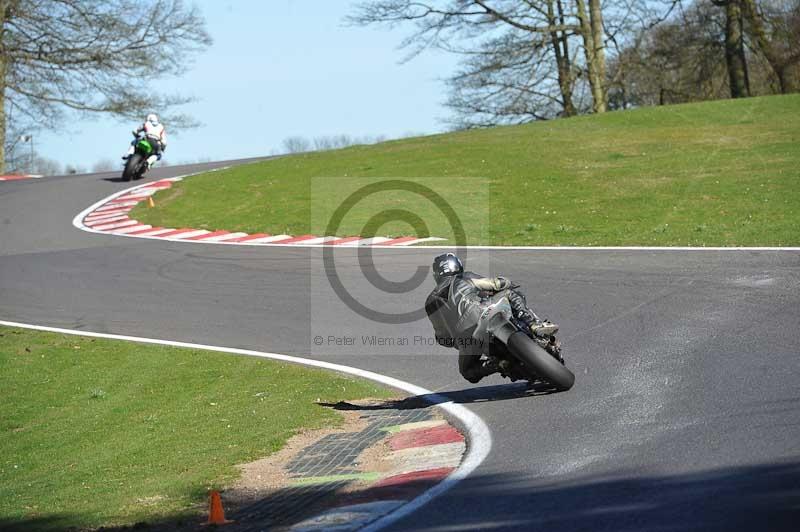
{"x":540,"y":362}
{"x":132,"y":167}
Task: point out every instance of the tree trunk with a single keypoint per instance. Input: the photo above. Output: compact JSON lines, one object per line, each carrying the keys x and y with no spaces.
{"x":595,"y":52}
{"x":782,"y":84}
{"x":764,"y":44}
{"x":3,"y":11}
{"x":598,"y":39}
{"x":561,"y":51}
{"x":734,"y":50}
{"x":2,"y":114}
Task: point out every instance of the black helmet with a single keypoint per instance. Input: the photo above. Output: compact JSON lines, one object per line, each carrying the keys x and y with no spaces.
{"x":444,"y":265}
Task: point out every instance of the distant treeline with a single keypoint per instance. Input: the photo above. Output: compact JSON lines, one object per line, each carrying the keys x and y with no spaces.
{"x":300,"y":144}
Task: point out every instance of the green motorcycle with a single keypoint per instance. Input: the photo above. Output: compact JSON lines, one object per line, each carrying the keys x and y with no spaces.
{"x":136,"y":165}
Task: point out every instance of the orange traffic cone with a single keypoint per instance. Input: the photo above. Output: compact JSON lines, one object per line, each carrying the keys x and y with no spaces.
{"x":150,"y":202}
{"x":216,"y":515}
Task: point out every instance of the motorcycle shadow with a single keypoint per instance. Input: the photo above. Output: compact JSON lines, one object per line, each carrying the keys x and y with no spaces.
{"x":480,"y":394}
{"x":117,"y":179}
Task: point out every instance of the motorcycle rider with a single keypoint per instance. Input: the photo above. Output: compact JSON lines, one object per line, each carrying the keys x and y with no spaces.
{"x":455,"y":306}
{"x":156,"y":134}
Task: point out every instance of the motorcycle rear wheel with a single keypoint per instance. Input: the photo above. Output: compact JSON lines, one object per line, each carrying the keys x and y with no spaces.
{"x":132,"y":166}
{"x":540,"y":362}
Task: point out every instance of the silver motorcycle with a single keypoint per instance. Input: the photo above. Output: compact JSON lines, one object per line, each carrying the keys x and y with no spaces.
{"x":517,"y":351}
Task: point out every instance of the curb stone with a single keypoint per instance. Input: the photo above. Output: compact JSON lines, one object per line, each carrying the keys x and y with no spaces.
{"x":110,"y":216}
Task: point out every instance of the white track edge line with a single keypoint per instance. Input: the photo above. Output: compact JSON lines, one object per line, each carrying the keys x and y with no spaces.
{"x":78,"y":222}
{"x":479,"y":441}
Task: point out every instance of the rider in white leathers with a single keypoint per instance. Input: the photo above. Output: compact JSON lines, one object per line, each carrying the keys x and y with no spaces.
{"x":156,"y":133}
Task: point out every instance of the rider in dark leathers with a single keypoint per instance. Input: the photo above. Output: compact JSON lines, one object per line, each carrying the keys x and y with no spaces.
{"x":454,"y":308}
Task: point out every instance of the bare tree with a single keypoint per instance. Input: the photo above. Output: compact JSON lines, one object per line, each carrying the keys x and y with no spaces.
{"x":323,"y":143}
{"x":343,"y":141}
{"x":332,"y":142}
{"x":628,"y":24}
{"x":513,"y":79}
{"x":680,"y":60}
{"x":521,"y":58}
{"x":45,"y":166}
{"x":296,"y":144}
{"x":704,"y":52}
{"x":92,"y":56}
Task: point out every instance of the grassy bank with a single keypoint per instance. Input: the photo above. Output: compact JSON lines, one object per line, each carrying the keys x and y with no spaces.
{"x":98,"y":432}
{"x":718,"y":173}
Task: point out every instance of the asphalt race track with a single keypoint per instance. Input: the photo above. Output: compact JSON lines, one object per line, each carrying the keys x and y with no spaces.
{"x":686,"y":410}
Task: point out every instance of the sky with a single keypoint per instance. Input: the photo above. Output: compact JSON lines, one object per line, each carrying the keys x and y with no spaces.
{"x":281,"y":68}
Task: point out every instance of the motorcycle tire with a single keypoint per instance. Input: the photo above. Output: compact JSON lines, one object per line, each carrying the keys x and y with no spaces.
{"x":132,"y":167}
{"x":540,"y":362}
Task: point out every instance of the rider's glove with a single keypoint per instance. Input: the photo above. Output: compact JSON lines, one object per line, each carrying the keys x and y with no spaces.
{"x":491,"y":284}
{"x":501,"y":283}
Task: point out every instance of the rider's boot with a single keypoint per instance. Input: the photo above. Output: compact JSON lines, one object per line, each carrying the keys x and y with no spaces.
{"x":476,"y":371}
{"x":544,"y":328}
{"x":151,"y":160}
{"x":487,"y":367}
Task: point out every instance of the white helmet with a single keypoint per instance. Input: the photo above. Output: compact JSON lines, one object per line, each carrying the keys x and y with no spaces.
{"x":152,"y":118}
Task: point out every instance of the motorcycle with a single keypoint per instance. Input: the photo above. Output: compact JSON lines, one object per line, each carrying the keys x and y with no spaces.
{"x":517,"y":351}
{"x":136,"y":164}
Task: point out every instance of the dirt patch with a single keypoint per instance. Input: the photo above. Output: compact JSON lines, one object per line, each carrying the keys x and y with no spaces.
{"x":375,"y":458}
{"x":266,"y":476}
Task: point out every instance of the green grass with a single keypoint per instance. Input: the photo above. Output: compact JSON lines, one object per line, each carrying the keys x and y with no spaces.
{"x":98,"y":432}
{"x":719,"y":173}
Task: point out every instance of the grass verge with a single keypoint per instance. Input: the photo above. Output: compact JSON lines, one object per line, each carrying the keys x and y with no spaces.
{"x":101,"y":432}
{"x":719,"y":173}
